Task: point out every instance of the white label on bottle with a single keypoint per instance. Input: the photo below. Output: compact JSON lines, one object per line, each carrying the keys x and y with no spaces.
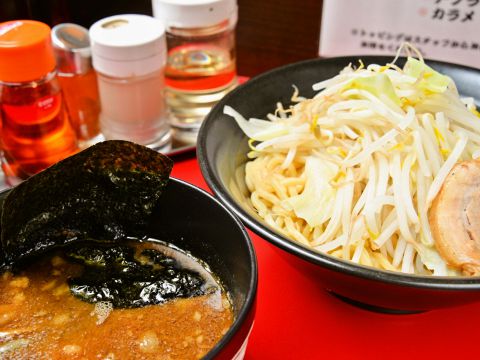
{"x":441,"y":29}
{"x":46,"y":103}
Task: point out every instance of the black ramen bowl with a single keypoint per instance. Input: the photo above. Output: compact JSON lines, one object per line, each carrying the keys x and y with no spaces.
{"x":222,"y":151}
{"x":194,"y":221}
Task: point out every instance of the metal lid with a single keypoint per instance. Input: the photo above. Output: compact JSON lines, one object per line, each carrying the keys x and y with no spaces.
{"x":71,"y":44}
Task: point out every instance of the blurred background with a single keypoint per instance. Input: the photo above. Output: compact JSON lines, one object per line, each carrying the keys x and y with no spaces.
{"x":277,"y":32}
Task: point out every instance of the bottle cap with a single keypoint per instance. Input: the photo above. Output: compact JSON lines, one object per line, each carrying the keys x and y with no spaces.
{"x":26,"y":52}
{"x":71,"y":45}
{"x":194,"y":13}
{"x":128,"y":45}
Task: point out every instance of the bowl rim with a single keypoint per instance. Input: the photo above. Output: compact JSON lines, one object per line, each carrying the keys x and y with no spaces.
{"x":250,"y":298}
{"x":251,"y":295}
{"x":447,"y":283}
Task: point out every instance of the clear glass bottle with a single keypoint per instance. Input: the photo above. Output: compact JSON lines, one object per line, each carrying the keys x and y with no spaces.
{"x":129,"y":56}
{"x":201,"y":63}
{"x":78,"y":79}
{"x":35,"y":130}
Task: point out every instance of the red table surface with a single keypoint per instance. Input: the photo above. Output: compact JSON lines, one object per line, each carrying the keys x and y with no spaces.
{"x":297,"y":319}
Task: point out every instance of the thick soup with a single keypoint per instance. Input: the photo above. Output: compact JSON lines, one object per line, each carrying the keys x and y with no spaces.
{"x":40,"y":318}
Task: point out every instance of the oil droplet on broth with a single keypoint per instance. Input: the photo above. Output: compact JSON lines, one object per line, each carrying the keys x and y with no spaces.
{"x":148,"y":343}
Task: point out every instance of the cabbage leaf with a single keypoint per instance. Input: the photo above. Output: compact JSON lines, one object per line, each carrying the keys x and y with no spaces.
{"x":379,"y":85}
{"x":315,"y":203}
{"x":431,"y":80}
{"x":256,"y":129}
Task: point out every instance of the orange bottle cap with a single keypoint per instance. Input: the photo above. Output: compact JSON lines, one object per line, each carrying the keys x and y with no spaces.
{"x":26,"y":52}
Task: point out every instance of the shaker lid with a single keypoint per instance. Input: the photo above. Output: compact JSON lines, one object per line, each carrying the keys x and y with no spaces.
{"x":128,"y":45}
{"x":194,"y":13}
{"x":71,"y":45}
{"x":26,"y":52}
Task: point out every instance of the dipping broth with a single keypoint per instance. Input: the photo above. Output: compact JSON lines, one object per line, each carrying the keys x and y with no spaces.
{"x":40,"y":318}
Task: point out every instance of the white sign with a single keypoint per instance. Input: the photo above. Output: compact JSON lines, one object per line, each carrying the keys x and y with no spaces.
{"x":445,"y":30}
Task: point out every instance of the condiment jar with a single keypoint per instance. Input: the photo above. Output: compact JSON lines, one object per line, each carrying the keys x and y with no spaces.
{"x":129,"y":55}
{"x":201,"y":65}
{"x":78,"y":80}
{"x":35,"y":131}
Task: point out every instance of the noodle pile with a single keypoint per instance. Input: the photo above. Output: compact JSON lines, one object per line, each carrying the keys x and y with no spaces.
{"x":352,"y":172}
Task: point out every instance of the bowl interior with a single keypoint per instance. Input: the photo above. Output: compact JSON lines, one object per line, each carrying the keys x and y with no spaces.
{"x":195,"y":222}
{"x":222,"y":162}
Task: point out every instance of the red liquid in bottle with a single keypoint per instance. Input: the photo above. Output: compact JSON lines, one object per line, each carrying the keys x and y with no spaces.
{"x":35,"y":130}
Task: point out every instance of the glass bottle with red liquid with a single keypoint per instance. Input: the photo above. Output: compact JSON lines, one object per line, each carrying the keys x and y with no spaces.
{"x":71,"y":46}
{"x":201,"y":64}
{"x":35,"y":131}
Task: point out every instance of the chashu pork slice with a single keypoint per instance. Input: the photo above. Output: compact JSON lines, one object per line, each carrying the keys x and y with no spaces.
{"x":455,"y":218}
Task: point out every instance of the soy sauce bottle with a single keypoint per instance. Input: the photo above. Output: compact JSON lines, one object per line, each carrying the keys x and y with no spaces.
{"x":35,"y":131}
{"x":201,"y":62}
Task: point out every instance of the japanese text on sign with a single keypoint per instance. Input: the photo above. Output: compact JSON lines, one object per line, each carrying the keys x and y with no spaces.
{"x":441,"y":29}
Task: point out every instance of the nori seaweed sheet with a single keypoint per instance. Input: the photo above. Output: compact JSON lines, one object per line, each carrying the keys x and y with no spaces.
{"x":113,"y":274}
{"x":107,"y":191}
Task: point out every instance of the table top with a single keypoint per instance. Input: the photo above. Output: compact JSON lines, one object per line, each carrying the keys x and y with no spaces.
{"x":297,"y":319}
